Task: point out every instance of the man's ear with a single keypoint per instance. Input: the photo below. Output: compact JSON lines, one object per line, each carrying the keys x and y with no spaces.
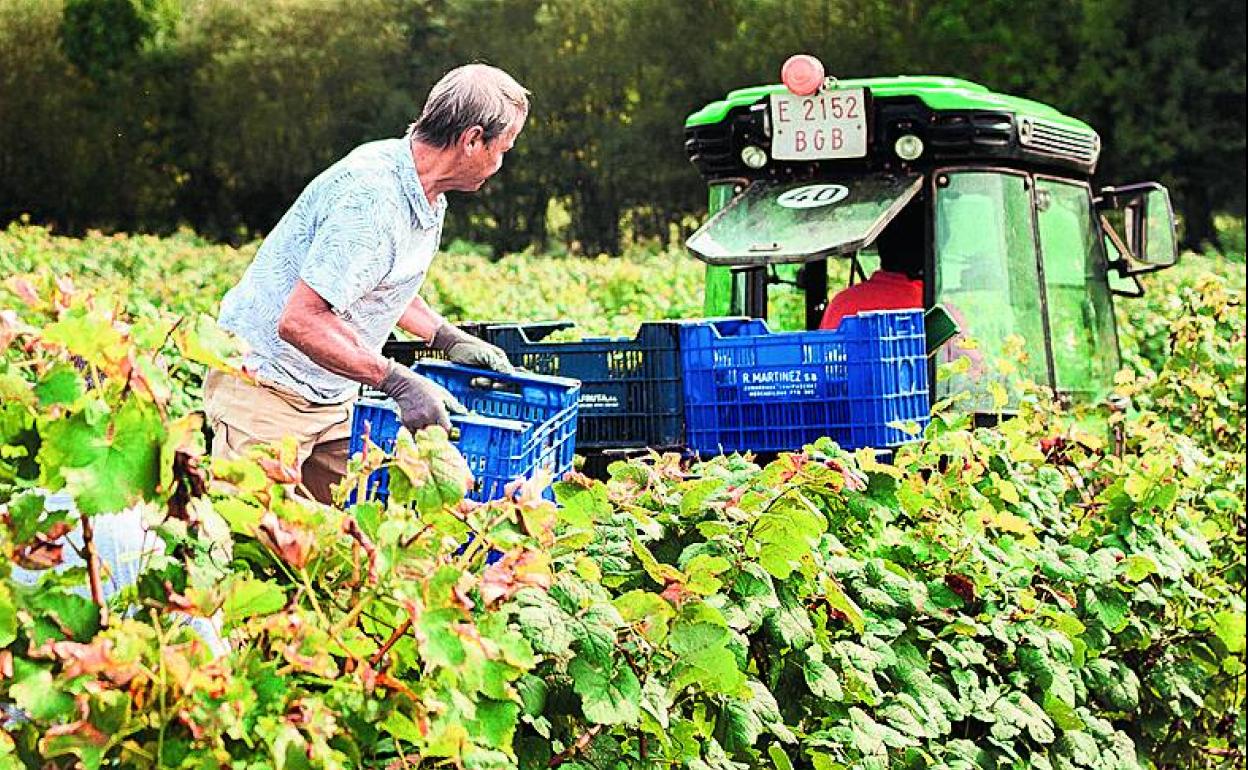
{"x":472,"y":140}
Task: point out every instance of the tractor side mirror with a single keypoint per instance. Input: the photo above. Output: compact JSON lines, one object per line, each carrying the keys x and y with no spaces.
{"x":1138,"y":222}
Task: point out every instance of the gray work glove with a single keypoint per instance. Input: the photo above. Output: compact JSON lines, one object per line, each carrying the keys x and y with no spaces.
{"x":463,"y":348}
{"x":421,"y":401}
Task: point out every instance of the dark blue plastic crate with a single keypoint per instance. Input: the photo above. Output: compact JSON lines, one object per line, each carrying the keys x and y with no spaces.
{"x":408,"y":352}
{"x":630,"y":387}
{"x":520,"y":423}
{"x":749,"y":389}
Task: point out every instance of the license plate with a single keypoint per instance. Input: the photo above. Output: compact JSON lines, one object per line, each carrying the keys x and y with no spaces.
{"x":829,"y":124}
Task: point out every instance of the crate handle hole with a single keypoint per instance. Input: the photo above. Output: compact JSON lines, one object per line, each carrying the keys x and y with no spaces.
{"x":905,"y":376}
{"x":489,"y":383}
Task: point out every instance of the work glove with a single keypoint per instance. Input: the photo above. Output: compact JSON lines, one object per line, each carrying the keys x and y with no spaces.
{"x":463,"y":348}
{"x":421,"y":401}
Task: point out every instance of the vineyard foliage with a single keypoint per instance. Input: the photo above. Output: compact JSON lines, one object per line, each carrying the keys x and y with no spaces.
{"x":1039,"y":594}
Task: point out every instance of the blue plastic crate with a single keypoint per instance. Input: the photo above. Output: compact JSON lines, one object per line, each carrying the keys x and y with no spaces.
{"x":493,"y":448}
{"x":750,"y":389}
{"x":520,"y":423}
{"x":630,"y":387}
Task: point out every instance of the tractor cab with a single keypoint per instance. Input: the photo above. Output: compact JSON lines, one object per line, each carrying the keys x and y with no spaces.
{"x":985,"y":202}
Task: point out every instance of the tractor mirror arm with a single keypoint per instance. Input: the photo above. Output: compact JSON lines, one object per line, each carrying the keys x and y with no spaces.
{"x":1126,"y":264}
{"x":1123,"y":266}
{"x":1119,"y":244}
{"x":1134,"y":289}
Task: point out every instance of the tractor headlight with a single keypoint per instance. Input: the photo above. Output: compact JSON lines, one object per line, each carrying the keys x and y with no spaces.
{"x":754,"y":156}
{"x":908,"y":147}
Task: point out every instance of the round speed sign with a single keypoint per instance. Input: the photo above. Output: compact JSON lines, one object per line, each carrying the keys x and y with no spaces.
{"x":813,"y":196}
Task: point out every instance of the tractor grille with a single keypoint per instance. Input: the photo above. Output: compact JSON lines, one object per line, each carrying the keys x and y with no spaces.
{"x":1050,"y":139}
{"x":710,"y":149}
{"x":969,"y":130}
{"x":713,"y":149}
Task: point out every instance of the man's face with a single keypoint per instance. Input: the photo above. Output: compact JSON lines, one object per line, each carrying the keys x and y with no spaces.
{"x":482,"y":159}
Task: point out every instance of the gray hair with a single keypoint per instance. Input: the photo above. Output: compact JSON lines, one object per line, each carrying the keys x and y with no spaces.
{"x":467,"y":96}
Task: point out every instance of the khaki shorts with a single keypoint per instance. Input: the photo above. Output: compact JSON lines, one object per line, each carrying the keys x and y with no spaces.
{"x":243,"y":415}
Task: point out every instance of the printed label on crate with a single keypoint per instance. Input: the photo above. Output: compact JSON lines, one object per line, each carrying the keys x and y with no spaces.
{"x":599,"y":401}
{"x":779,"y":383}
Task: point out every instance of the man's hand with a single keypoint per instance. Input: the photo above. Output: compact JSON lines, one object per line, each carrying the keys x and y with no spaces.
{"x":463,"y":348}
{"x":422,"y":402}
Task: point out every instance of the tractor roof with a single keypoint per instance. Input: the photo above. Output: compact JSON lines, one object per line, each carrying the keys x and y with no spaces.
{"x":938,"y":93}
{"x":954,"y":121}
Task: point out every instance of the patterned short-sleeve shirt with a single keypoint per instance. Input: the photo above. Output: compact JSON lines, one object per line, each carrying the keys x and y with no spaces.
{"x":361,"y":235}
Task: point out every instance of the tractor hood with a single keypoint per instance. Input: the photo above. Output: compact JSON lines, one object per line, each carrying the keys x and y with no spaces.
{"x":790,"y":222}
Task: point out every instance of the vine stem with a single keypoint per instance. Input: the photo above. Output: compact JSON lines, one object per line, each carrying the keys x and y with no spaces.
{"x":394,"y":638}
{"x":470,"y":552}
{"x":352,"y":615}
{"x":577,"y":746}
{"x":164,"y":711}
{"x":93,"y":568}
{"x":307,"y":587}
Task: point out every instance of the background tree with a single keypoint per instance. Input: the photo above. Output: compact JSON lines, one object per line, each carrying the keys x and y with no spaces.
{"x":153,"y":114}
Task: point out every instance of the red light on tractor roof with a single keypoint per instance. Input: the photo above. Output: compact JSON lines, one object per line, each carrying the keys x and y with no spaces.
{"x":802,"y":74}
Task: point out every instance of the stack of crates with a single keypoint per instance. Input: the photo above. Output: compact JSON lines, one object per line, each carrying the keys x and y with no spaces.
{"x":519,"y":423}
{"x":730,"y":384}
{"x":747,"y":388}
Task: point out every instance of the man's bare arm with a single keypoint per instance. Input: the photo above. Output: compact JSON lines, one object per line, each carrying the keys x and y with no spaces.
{"x":458,"y":345}
{"x":420,"y":319}
{"x":309,"y":323}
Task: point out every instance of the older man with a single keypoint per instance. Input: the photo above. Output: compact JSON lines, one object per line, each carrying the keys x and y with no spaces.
{"x":343,"y":267}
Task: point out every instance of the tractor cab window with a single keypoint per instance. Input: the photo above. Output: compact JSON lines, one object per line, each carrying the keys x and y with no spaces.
{"x":1081,"y":318}
{"x":987,"y":277}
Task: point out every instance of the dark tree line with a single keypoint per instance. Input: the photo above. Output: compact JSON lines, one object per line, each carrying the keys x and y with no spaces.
{"x":146,"y":115}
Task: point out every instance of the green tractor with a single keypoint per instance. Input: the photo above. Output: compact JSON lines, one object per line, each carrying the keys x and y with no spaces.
{"x":1010,"y":237}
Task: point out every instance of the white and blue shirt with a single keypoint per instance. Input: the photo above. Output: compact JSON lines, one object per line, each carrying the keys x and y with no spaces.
{"x":361,"y":235}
